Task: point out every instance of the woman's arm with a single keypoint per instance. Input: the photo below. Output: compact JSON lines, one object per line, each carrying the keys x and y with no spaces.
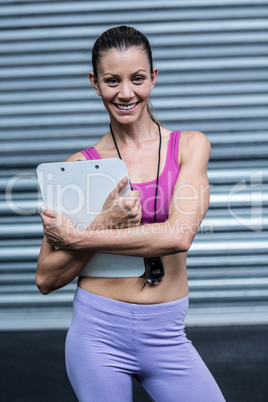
{"x":57,"y":268}
{"x":188,"y":207}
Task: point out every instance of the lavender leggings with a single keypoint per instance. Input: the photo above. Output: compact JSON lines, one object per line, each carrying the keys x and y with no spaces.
{"x":110,"y":341}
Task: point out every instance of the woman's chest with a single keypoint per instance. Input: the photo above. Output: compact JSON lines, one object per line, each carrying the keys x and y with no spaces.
{"x":142,"y":161}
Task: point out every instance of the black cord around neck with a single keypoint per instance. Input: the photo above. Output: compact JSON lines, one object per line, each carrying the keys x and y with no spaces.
{"x":158,"y":167}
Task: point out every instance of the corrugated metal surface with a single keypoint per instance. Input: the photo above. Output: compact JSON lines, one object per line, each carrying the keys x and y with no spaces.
{"x":212,"y":57}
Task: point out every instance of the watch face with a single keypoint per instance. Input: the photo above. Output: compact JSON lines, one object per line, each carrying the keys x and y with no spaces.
{"x":157,"y":266}
{"x":155,"y":269}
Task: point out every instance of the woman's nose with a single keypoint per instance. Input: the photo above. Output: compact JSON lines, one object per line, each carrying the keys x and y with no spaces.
{"x":125,"y":92}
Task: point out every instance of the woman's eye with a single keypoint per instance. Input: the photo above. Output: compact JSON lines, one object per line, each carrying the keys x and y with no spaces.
{"x":112,"y":81}
{"x":138,"y":79}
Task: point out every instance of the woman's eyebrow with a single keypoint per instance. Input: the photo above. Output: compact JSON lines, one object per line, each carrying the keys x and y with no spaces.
{"x":141,"y":69}
{"x":116,"y":75}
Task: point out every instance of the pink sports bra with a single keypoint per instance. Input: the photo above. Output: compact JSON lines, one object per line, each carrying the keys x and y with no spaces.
{"x":166,"y":183}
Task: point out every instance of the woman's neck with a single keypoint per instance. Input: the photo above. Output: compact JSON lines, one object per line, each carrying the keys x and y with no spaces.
{"x":133,"y":134}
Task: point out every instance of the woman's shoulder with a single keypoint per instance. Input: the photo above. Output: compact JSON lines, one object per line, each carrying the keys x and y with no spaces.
{"x":78,"y":156}
{"x":194,"y":139}
{"x":187,"y":135}
{"x":104,"y":143}
{"x":193,"y":143}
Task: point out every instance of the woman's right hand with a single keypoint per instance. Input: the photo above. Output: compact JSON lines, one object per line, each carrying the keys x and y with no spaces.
{"x":120,"y":212}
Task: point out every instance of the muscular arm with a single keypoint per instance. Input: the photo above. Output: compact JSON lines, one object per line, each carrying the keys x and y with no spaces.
{"x":57,"y":268}
{"x":188,"y":207}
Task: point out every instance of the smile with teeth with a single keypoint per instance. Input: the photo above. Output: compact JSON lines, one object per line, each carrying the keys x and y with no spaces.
{"x":126,"y":107}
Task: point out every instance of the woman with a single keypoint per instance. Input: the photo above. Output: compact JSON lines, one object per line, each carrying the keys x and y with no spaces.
{"x":129,"y":326}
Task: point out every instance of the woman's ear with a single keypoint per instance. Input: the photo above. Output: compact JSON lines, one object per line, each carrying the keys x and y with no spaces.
{"x":153,"y":77}
{"x":94,"y":82}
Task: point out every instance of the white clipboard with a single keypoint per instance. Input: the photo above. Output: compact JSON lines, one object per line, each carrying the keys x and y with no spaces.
{"x":78,"y":190}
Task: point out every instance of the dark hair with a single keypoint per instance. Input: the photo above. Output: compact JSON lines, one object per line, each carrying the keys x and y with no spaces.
{"x":121,"y":38}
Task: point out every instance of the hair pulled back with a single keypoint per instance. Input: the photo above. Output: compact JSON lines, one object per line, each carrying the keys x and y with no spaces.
{"x":121,"y":38}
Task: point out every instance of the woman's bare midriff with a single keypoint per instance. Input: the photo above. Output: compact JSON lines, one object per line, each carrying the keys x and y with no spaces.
{"x":138,"y":290}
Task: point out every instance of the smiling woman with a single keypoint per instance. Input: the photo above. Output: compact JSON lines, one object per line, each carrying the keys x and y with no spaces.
{"x":125,"y":91}
{"x":124,"y":327}
{"x":133,"y":40}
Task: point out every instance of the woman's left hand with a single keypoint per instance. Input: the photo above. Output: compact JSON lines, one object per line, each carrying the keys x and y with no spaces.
{"x":59,"y":230}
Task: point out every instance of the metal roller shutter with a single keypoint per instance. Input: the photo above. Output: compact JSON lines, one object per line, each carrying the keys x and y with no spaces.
{"x":212,"y":57}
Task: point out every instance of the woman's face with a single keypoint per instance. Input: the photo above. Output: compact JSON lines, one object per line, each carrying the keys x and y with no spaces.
{"x":124,"y":82}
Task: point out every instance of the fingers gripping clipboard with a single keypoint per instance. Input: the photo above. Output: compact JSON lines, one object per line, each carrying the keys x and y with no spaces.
{"x":78,"y":190}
